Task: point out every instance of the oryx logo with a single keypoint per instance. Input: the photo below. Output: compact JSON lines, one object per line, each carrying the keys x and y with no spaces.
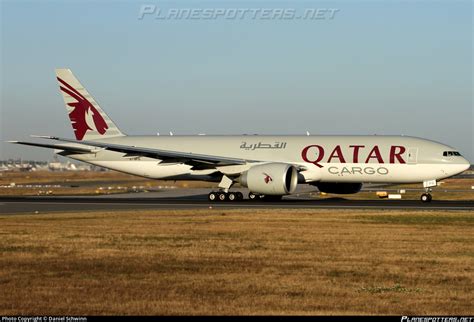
{"x":267,"y":178}
{"x":84,"y":117}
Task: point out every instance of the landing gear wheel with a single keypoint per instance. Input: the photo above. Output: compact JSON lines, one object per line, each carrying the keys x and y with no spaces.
{"x":225,"y":196}
{"x":252,"y":196}
{"x":222,"y":196}
{"x":426,"y":197}
{"x":212,"y":196}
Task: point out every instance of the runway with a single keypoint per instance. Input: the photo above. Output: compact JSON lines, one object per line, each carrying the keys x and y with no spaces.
{"x":29,"y":205}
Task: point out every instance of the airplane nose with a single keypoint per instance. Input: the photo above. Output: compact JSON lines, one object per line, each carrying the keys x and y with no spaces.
{"x":457,"y":166}
{"x":465,"y":164}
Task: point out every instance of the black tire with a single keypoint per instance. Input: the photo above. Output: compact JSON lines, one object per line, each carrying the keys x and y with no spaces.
{"x":232,"y":196}
{"x":212,"y":196}
{"x":222,"y":196}
{"x":252,"y":196}
{"x":426,"y":197}
{"x":240,"y":196}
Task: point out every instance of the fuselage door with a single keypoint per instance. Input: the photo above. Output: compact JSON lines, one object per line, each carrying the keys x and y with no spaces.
{"x":412,"y":155}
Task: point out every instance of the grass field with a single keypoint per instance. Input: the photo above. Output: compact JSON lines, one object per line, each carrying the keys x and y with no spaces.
{"x":238,"y":262}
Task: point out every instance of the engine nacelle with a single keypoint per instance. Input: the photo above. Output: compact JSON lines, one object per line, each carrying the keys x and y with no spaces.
{"x":270,"y":179}
{"x":339,"y":187}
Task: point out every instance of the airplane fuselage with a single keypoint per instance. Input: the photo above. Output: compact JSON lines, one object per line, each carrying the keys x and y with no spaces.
{"x":387,"y":159}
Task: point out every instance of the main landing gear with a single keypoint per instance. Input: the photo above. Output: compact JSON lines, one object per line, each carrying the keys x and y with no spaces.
{"x":225,"y":196}
{"x":254,"y":196}
{"x":238,"y":196}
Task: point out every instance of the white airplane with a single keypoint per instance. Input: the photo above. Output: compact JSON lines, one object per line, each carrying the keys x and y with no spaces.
{"x":270,"y":166}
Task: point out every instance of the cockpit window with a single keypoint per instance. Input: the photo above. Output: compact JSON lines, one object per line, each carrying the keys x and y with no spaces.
{"x":451,"y":154}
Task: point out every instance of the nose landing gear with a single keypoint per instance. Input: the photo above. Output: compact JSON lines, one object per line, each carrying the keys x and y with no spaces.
{"x":426,"y":197}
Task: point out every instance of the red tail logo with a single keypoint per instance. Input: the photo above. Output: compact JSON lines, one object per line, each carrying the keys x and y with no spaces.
{"x":83,"y":110}
{"x":267,"y":178}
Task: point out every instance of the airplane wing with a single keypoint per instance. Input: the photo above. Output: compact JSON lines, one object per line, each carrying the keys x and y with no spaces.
{"x":165,"y":155}
{"x":69,"y":148}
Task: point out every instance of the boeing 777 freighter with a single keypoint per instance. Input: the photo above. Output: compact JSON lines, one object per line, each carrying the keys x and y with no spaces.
{"x":269,"y":166}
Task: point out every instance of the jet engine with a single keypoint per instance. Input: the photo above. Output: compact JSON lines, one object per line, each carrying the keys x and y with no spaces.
{"x":270,"y":179}
{"x":339,"y":187}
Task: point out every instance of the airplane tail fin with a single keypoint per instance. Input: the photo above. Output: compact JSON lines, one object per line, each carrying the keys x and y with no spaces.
{"x":88,"y":120}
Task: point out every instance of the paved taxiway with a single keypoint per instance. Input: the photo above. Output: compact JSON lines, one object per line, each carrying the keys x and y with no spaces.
{"x":12,"y":205}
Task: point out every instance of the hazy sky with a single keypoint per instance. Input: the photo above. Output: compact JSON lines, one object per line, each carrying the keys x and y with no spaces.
{"x":383,"y":67}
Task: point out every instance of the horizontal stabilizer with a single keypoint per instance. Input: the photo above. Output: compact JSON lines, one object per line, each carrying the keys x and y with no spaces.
{"x":69,"y":148}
